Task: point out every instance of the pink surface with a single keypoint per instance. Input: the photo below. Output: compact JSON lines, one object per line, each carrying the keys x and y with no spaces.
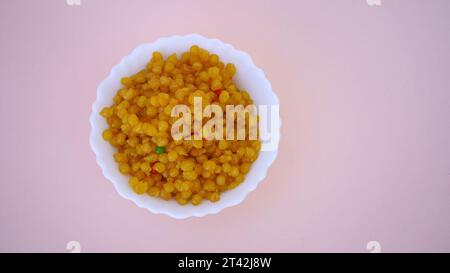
{"x":365,"y":148}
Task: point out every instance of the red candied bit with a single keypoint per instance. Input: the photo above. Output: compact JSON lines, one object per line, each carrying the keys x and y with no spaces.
{"x":218,"y":92}
{"x":153,"y":171}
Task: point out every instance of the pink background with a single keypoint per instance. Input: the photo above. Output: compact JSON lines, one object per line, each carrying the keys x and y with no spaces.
{"x":365,"y":147}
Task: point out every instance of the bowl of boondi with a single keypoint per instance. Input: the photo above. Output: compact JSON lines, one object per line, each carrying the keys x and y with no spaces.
{"x":132,"y":123}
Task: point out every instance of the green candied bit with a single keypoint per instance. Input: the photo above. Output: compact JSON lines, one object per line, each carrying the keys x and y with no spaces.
{"x":160,"y":149}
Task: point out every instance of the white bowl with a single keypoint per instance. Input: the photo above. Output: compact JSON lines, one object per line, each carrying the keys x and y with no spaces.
{"x":248,"y":77}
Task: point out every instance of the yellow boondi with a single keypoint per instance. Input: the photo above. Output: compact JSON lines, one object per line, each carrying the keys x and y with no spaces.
{"x":140,"y":128}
